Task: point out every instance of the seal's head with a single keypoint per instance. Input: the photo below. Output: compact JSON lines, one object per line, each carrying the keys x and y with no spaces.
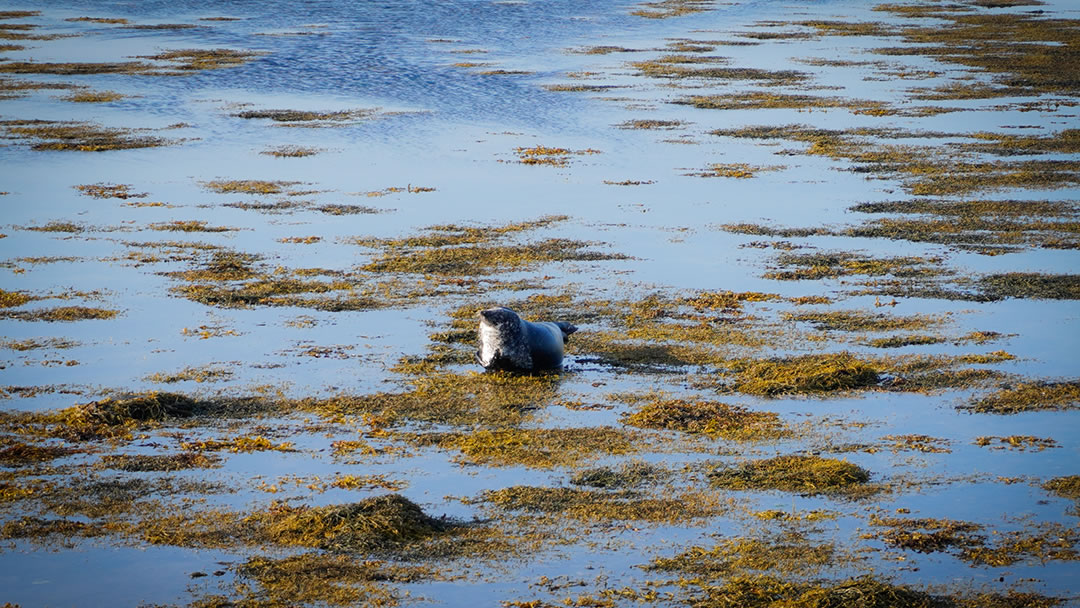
{"x":503,"y":340}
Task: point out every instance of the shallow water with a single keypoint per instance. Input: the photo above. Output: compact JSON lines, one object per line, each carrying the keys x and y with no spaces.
{"x":451,"y":128}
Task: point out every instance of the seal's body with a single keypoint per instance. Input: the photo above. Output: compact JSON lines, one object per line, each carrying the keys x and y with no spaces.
{"x":509,"y":342}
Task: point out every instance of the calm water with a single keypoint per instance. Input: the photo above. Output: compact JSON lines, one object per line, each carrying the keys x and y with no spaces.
{"x":454,"y":129}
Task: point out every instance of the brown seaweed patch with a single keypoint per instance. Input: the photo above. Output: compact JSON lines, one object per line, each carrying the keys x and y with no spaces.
{"x":683,"y":66}
{"x":240,"y":443}
{"x":1043,"y":542}
{"x":664,"y":9}
{"x":758,"y":100}
{"x":35,"y":343}
{"x":603,"y":50}
{"x":711,"y":418}
{"x":905,"y":340}
{"x":61,"y":313}
{"x":1029,"y":396}
{"x":818,"y":373}
{"x":11,"y":299}
{"x":113,"y":417}
{"x":375,"y":524}
{"x":190,"y":60}
{"x":546,"y":155}
{"x":93,"y":96}
{"x":105,"y":20}
{"x":1030,"y":285}
{"x":539,"y":448}
{"x":307,"y":116}
{"x":1067,"y":486}
{"x":292,"y":151}
{"x":821,"y":265}
{"x":465,"y":250}
{"x":989,"y":229}
{"x":1016,"y":442}
{"x":629,"y":474}
{"x":334,"y":209}
{"x":80,"y":136}
{"x":20,"y":454}
{"x":160,"y":462}
{"x":489,"y":399}
{"x":795,"y":473}
{"x":859,"y":320}
{"x":188,"y":226}
{"x":601,"y":506}
{"x":318,"y":578}
{"x":926,"y":535}
{"x":209,"y":373}
{"x":388,"y":525}
{"x":106,"y":190}
{"x":651,"y":124}
{"x":35,"y":527}
{"x":791,"y":553}
{"x":248,"y":186}
{"x":1025,"y":54}
{"x":72,"y":69}
{"x":580,"y":88}
{"x":736,"y":170}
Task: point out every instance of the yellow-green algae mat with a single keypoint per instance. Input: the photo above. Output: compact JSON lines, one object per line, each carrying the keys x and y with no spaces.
{"x":822,"y":426}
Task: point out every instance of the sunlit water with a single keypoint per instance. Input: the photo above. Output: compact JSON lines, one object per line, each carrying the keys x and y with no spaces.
{"x":455,"y":130}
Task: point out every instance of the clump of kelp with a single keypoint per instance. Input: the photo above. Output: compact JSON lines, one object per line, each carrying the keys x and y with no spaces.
{"x":308,"y":118}
{"x":664,"y":9}
{"x":791,"y":553}
{"x":433,"y":396}
{"x":796,"y":473}
{"x":969,"y":542}
{"x":711,"y":418}
{"x":1029,"y":396}
{"x":631,"y":474}
{"x":112,"y":417}
{"x":60,"y":314}
{"x":691,"y":66}
{"x":600,"y":505}
{"x":177,"y":62}
{"x":468,"y":250}
{"x":78,"y":136}
{"x":868,"y":591}
{"x":912,"y":276}
{"x":539,"y":448}
{"x":330,"y":579}
{"x":957,"y":167}
{"x":548,"y":155}
{"x":805,"y":374}
{"x":402,"y":271}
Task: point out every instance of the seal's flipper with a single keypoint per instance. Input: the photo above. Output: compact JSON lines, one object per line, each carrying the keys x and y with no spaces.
{"x":567,"y":329}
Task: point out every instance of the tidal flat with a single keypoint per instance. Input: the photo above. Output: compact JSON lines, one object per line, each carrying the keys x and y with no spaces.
{"x":822,"y":257}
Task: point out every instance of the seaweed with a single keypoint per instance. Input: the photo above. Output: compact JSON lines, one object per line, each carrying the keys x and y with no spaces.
{"x":796,"y":473}
{"x":629,"y":474}
{"x":78,"y":136}
{"x":61,"y":314}
{"x":805,"y":374}
{"x":600,"y":506}
{"x":711,"y":418}
{"x":160,"y":462}
{"x":1029,"y":396}
{"x":1067,"y":486}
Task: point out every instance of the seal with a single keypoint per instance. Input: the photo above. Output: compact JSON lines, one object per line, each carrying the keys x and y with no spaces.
{"x":508,"y":342}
